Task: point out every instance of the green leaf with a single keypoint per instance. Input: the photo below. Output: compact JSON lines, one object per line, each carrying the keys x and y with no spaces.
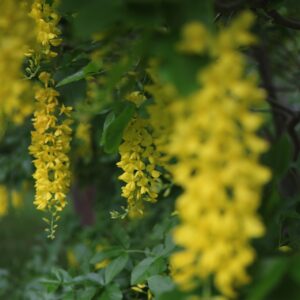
{"x":89,"y":69}
{"x":50,"y":284}
{"x":272,"y":271}
{"x":61,"y":275}
{"x":108,"y":120}
{"x":87,"y":294}
{"x":146,"y":268}
{"x":111,"y":292}
{"x":169,"y":244}
{"x":112,"y":134}
{"x":69,"y":295}
{"x":94,"y":278}
{"x":159,"y":284}
{"x":115,"y":267}
{"x":108,"y":253}
{"x":121,"y":235}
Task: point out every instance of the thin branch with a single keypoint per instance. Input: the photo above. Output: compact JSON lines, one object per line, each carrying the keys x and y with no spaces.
{"x":261,"y":57}
{"x":281,"y":20}
{"x":285,"y":118}
{"x":288,"y":111}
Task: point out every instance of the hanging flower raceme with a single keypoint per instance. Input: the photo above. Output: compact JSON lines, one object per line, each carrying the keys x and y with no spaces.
{"x":48,"y":32}
{"x":47,"y":35}
{"x":139,"y":161}
{"x":50,"y":146}
{"x":217,"y":163}
{"x":15,"y":35}
{"x":52,"y":135}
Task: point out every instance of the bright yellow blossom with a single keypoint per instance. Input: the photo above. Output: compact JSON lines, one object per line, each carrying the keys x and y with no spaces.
{"x":15,"y":35}
{"x":48,"y":32}
{"x":139,"y":161}
{"x":50,"y":146}
{"x":142,"y":155}
{"x":217,"y":164}
{"x":52,"y":135}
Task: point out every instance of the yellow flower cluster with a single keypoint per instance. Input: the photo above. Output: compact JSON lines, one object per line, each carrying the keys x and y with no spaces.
{"x":217,"y":166}
{"x":48,"y":33}
{"x":50,"y":145}
{"x":138,"y":161}
{"x":52,"y":135}
{"x":15,"y":34}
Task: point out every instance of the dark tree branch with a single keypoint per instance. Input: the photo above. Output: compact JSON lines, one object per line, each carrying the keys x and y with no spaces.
{"x":287,"y":111}
{"x":292,"y":120}
{"x":261,"y":57}
{"x":281,"y":20}
{"x":254,"y":4}
{"x":285,"y":118}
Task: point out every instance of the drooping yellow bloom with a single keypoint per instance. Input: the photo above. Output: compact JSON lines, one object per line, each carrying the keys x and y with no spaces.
{"x":217,"y":164}
{"x":138,"y":161}
{"x":50,"y":145}
{"x":3,"y":200}
{"x":15,"y":35}
{"x":48,"y":32}
{"x":52,"y":135}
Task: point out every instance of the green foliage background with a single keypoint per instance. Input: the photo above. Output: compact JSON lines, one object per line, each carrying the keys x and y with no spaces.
{"x":34,"y":268}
